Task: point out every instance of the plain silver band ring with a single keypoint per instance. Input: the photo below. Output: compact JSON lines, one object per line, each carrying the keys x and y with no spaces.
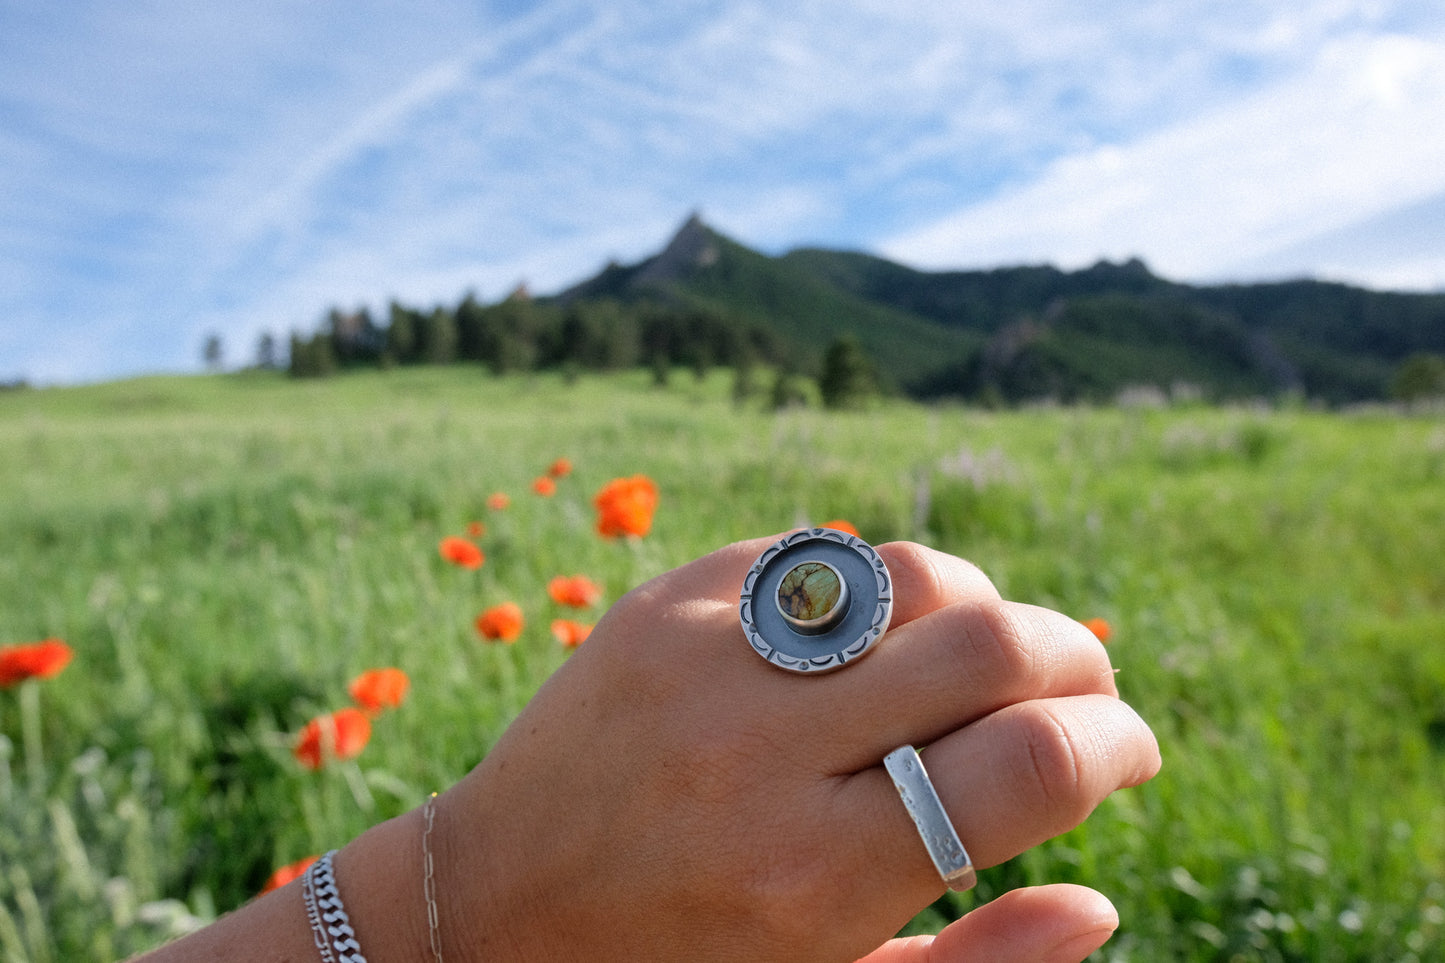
{"x":922,"y":802}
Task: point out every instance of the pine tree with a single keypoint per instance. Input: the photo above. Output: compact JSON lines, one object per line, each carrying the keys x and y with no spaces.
{"x":848,"y":380}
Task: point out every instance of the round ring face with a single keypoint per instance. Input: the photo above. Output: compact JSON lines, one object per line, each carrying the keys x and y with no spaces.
{"x":816,"y":600}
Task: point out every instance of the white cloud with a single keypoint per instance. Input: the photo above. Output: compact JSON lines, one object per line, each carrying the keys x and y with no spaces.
{"x":1354,"y":134}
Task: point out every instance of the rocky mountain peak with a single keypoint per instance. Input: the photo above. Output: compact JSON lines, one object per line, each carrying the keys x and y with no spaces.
{"x":694,"y":246}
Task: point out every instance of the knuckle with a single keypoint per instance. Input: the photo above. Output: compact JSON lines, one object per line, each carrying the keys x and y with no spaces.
{"x":925,"y":579}
{"x":1051,"y":766}
{"x":998,"y":642}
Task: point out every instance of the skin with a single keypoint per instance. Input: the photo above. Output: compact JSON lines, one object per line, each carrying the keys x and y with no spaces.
{"x":668,"y":795}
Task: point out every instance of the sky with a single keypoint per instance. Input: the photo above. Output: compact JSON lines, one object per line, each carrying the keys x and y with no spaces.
{"x":172,"y":169}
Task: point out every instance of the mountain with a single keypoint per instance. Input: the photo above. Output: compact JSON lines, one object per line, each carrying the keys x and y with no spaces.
{"x":701,"y":270}
{"x":1027,"y":331}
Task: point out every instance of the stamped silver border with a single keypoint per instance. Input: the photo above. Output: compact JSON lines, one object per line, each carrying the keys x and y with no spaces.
{"x":853,"y":645}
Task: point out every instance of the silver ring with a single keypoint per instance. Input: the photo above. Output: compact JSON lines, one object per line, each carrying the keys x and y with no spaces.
{"x":816,"y":600}
{"x":923,"y":805}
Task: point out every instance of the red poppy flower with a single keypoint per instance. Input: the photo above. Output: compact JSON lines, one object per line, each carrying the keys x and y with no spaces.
{"x":340,"y":735}
{"x":33,"y":660}
{"x":501,"y":623}
{"x":1100,"y":627}
{"x":560,"y":468}
{"x":625,"y":506}
{"x":544,"y":486}
{"x":842,"y":525}
{"x":377,"y":689}
{"x":461,"y":552}
{"x":578,"y":591}
{"x":476,"y":529}
{"x":287,"y":873}
{"x":499,"y":501}
{"x":570,"y":633}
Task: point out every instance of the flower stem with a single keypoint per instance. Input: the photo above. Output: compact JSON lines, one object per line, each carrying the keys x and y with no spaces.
{"x":30,"y":735}
{"x":356,"y":782}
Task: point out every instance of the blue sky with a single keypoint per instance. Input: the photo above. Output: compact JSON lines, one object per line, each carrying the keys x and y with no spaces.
{"x":171,"y":168}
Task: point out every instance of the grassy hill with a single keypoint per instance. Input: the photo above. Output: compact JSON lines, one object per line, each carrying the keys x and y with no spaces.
{"x":225,"y":553}
{"x":1035,"y":331}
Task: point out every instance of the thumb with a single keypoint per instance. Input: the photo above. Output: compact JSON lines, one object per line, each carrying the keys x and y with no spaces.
{"x":1058,"y":923}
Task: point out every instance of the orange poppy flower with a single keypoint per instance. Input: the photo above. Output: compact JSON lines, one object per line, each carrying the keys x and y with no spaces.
{"x":501,"y":623}
{"x":570,"y":633}
{"x":560,"y":468}
{"x":577,"y":591}
{"x":499,"y":501}
{"x":1100,"y":627}
{"x":287,"y":873}
{"x":377,"y":689}
{"x":476,"y":529}
{"x":33,"y":660}
{"x":842,"y":525}
{"x":625,"y":506}
{"x":544,"y":486}
{"x":461,"y":552}
{"x":339,"y":735}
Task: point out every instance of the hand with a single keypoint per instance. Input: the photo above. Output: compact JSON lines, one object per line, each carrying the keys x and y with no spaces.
{"x":669,"y":795}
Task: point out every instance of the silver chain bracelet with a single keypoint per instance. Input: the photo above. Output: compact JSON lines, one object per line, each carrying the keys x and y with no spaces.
{"x":330,"y":926}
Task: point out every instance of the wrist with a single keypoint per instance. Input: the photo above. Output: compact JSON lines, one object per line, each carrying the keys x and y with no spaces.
{"x":380,"y":877}
{"x":487,"y":907}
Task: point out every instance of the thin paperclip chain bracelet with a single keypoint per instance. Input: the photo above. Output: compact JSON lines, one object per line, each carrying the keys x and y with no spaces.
{"x":330,"y":926}
{"x":429,"y":882}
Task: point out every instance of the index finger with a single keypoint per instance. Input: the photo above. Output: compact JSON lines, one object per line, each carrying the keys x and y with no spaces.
{"x":925,"y":579}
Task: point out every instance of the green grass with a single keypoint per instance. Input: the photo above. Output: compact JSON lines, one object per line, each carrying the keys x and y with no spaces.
{"x":225,"y":553}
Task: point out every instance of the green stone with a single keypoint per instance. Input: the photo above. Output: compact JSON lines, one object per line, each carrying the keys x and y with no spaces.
{"x":809,"y":592}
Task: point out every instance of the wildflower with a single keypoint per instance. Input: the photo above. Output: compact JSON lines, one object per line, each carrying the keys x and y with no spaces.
{"x":544,"y":486}
{"x":570,"y":633}
{"x":577,"y":591}
{"x":377,"y":689}
{"x":842,"y":525}
{"x":1100,"y":627}
{"x":33,"y":660}
{"x":501,"y":623}
{"x":625,"y":506}
{"x":461,"y":552}
{"x":476,"y":529}
{"x":287,"y":873}
{"x":339,"y":735}
{"x":560,"y":468}
{"x":499,"y":501}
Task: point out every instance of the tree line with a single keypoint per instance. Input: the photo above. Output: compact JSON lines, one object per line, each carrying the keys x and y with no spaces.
{"x":1085,"y":348}
{"x":521,"y":333}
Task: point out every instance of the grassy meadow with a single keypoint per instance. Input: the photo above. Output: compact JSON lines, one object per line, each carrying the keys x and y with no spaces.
{"x":225,"y":553}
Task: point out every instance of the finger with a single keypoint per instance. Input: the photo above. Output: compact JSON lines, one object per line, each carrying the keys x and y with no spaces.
{"x":1057,"y":923}
{"x":957,"y":664}
{"x":925,"y":580}
{"x":703,"y":595}
{"x":1008,"y":782}
{"x":706,"y":591}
